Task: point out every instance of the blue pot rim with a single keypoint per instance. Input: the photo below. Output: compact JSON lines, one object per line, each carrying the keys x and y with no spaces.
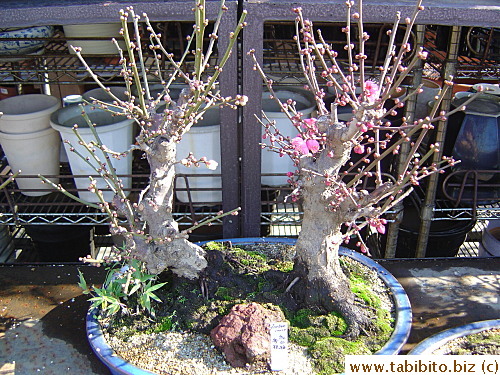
{"x":118,"y":365}
{"x":434,"y":342}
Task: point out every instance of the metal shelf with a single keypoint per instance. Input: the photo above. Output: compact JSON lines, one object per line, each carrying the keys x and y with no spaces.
{"x":478,"y":53}
{"x":270,"y":27}
{"x":54,"y":64}
{"x":57,"y":208}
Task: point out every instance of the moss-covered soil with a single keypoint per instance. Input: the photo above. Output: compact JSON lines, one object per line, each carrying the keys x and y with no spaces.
{"x":261,"y":274}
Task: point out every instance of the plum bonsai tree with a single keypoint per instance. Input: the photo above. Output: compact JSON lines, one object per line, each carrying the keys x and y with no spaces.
{"x":152,"y":236}
{"x":334,"y":158}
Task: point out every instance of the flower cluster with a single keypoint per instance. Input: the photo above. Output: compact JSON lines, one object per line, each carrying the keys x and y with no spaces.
{"x":306,"y":143}
{"x":378,"y":224}
{"x":192,"y":161}
{"x":305,"y":147}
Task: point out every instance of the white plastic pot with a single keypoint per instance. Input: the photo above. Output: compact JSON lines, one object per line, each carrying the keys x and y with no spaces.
{"x":203,"y":139}
{"x":271,"y":161}
{"x":115,"y":132}
{"x":27,"y":113}
{"x":490,"y":242}
{"x":33,"y":153}
{"x":94,"y":47}
{"x":103,"y":96}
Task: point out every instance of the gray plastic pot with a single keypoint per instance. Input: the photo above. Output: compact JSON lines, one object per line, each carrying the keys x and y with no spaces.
{"x":118,"y":366}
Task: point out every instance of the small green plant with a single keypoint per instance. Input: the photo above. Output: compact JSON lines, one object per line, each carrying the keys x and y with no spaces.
{"x":166,"y":323}
{"x":127,"y":290}
{"x":224,"y":293}
{"x":182,"y":299}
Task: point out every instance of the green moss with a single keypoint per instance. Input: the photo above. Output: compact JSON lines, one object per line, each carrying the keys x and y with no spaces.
{"x":363,"y":291}
{"x":251,"y":259}
{"x":163,"y":324}
{"x":214,"y":246}
{"x":482,"y":343}
{"x":301,"y":318}
{"x":224,"y":293}
{"x":335,"y":323}
{"x":301,"y":336}
{"x":491,"y":336}
{"x":328,"y":354}
{"x":307,"y":327}
{"x":283,"y":266}
{"x":321,"y":333}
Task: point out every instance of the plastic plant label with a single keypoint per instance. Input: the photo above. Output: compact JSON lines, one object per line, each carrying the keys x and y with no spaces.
{"x":279,"y":346}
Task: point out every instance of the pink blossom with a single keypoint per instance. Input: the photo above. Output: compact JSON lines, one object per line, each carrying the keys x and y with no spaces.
{"x":359,"y":149}
{"x":310,"y":121}
{"x":312,"y":145}
{"x":300,"y":145}
{"x":378,"y":224}
{"x":380,"y":228}
{"x":371,"y":91}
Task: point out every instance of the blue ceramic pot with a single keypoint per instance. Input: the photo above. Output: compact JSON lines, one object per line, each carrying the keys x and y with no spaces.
{"x":23,"y":43}
{"x":119,"y":366}
{"x":429,"y":345}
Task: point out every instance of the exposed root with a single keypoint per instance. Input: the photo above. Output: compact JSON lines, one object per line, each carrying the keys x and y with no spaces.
{"x":334,"y":294}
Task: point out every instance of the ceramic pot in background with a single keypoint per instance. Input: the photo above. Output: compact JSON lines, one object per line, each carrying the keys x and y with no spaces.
{"x":103,"y":96}
{"x":95,"y":30}
{"x":203,"y":139}
{"x":430,"y":90}
{"x":23,"y":42}
{"x":29,"y":143}
{"x":490,"y":241}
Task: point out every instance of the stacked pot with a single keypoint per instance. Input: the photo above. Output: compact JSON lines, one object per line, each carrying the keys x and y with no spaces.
{"x":28,"y":141}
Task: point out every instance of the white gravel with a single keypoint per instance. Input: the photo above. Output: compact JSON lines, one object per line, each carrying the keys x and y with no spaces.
{"x":177,"y":353}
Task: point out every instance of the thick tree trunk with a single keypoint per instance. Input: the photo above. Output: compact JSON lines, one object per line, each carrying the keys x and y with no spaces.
{"x":165,"y":248}
{"x":322,"y":280}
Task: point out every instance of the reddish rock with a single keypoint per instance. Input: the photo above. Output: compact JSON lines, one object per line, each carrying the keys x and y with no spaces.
{"x":243,"y":335}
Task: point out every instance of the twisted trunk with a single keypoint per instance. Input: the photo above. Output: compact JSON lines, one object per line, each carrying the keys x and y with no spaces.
{"x":322,"y":281}
{"x":166,"y":247}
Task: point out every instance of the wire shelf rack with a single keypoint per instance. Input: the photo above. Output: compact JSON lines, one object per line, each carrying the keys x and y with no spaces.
{"x":55,"y":64}
{"x":479,"y":52}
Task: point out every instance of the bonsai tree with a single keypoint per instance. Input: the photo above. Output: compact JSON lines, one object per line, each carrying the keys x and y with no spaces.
{"x":334,"y":159}
{"x":151,"y":234}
